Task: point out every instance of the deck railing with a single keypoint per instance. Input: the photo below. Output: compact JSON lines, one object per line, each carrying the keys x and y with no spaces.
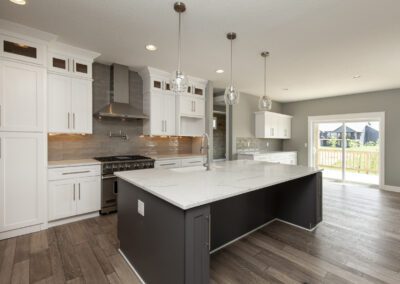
{"x":358,"y":161}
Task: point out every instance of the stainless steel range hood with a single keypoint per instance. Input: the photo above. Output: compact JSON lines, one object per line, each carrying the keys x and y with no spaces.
{"x":119,"y":106}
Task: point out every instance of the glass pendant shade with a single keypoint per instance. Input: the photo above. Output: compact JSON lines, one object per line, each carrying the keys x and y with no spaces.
{"x":231,"y":96}
{"x":264,"y":103}
{"x":179,"y":83}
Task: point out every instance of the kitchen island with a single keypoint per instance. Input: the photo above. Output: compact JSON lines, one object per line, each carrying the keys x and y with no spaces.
{"x":170,"y":220}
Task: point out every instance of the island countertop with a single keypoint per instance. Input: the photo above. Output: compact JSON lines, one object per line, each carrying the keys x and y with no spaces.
{"x":194,"y":186}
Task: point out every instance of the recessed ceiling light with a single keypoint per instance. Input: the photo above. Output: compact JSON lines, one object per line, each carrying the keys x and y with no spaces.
{"x":356,"y":76}
{"x":19,"y":2}
{"x":151,"y":47}
{"x":219,"y":71}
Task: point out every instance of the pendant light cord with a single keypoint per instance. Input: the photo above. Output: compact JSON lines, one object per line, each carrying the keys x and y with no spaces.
{"x":179,"y":43}
{"x":231,"y":62}
{"x":265,"y":76}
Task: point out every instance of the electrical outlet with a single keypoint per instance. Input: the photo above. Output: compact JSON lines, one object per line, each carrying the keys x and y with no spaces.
{"x":140,"y":207}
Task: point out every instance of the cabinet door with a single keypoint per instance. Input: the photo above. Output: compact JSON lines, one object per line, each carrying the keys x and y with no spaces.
{"x":157,"y":121}
{"x":21,"y":97}
{"x":82,"y":68}
{"x":62,"y":199}
{"x":271,"y":126}
{"x":157,"y":83}
{"x":59,"y":63}
{"x":59,"y":103}
{"x":199,"y":107}
{"x":169,"y":114}
{"x":81,"y":106}
{"x":186,"y":105}
{"x":22,"y":50}
{"x":22,"y":179}
{"x":88,"y":195}
{"x":198,"y":90}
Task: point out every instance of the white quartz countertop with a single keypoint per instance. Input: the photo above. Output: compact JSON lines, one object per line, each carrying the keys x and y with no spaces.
{"x":174,"y":156}
{"x":72,"y":163}
{"x":194,"y":186}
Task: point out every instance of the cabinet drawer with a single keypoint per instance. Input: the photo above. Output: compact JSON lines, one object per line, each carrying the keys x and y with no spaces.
{"x":192,"y":162}
{"x":73,"y":172}
{"x":167,"y":164}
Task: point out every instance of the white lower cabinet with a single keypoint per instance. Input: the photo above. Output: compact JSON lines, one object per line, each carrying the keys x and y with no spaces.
{"x":88,"y":196}
{"x":72,"y":193}
{"x":22,"y":180}
{"x":61,"y":197}
{"x":179,"y":163}
{"x":287,"y":158}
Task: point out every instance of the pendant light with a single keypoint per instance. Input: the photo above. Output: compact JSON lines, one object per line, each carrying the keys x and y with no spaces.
{"x":231,"y":95}
{"x":179,"y":82}
{"x":265,"y":103}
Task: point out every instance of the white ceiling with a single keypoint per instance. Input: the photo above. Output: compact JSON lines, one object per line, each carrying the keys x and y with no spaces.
{"x":316,"y":46}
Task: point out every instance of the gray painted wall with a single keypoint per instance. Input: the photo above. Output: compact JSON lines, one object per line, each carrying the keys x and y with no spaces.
{"x":387,"y":101}
{"x":66,"y":147}
{"x":244,"y":123}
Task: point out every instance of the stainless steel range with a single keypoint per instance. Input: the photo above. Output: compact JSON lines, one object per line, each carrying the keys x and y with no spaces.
{"x":109,"y":185}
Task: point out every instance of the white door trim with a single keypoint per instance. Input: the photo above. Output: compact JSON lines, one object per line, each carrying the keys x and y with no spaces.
{"x":351,"y":117}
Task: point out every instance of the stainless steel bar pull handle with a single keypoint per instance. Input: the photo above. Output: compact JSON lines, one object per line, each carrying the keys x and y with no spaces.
{"x":73,"y":119}
{"x":68,"y":116}
{"x":79,"y":191}
{"x":71,"y":173}
{"x":74,"y":191}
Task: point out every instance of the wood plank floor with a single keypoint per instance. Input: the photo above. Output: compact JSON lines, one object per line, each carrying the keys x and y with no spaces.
{"x":359,"y":242}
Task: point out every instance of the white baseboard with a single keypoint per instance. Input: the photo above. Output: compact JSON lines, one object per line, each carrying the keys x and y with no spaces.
{"x":131,"y":266}
{"x":391,"y":188}
{"x":21,"y":231}
{"x":72,"y":219}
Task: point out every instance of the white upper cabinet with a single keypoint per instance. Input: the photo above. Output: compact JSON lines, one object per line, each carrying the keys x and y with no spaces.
{"x":22,"y":180}
{"x":162,"y":116}
{"x":22,"y":50}
{"x":81,"y":106}
{"x":69,"y":104}
{"x":70,"y":60}
{"x":272,"y":125}
{"x":70,"y":89}
{"x":171,"y":114}
{"x":21,"y":97}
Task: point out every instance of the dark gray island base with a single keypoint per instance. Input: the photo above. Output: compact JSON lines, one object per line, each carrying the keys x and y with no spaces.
{"x":172,"y":245}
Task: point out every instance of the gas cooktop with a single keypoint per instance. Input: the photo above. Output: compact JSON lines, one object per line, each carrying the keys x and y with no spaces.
{"x":122,"y":158}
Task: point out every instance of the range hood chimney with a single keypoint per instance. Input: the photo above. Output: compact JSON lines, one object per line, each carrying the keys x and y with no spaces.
{"x":119,"y":106}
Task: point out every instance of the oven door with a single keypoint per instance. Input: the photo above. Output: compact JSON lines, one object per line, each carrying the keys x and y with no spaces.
{"x":109,"y":192}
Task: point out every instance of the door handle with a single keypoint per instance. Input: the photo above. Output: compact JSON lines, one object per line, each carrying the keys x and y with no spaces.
{"x":166,"y":126}
{"x":79,"y":191}
{"x":73,"y":120}
{"x":74,"y":191}
{"x":68,"y":116}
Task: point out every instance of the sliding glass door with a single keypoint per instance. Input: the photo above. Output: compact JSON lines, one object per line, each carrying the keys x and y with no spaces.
{"x":347,"y":150}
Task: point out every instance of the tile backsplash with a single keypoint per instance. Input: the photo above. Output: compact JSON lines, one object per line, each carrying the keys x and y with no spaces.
{"x":67,"y":147}
{"x":257,"y":144}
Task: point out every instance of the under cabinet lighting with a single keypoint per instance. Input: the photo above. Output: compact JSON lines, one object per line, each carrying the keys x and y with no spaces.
{"x":19,"y":2}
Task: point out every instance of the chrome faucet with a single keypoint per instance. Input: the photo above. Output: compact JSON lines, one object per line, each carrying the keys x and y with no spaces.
{"x":206,"y":148}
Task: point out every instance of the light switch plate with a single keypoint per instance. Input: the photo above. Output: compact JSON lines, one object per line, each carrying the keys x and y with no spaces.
{"x":140,"y":207}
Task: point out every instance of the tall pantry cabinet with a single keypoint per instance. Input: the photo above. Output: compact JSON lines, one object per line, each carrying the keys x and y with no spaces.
{"x":23,"y":139}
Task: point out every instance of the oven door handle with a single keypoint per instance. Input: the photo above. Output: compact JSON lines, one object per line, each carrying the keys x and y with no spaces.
{"x":108,"y":177}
